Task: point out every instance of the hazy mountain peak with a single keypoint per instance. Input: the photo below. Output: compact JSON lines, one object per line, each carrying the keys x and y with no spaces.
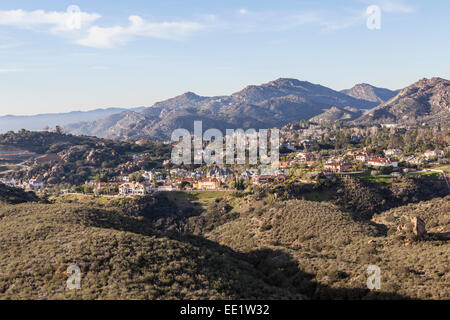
{"x":427,"y":100}
{"x":337,"y":114}
{"x":367,"y":92}
{"x":285,"y":82}
{"x":256,"y":106}
{"x":39,"y":121}
{"x":190,"y":95}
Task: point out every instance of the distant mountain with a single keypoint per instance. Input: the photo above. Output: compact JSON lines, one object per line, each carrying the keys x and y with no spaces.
{"x":272,"y":104}
{"x":427,"y":100}
{"x":370,"y":93}
{"x":338,"y":114}
{"x":38,"y":122}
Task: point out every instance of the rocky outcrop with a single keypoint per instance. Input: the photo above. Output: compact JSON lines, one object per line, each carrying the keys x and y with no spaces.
{"x":367,"y":92}
{"x":427,"y":100}
{"x":419,"y":228}
{"x":267,"y":105}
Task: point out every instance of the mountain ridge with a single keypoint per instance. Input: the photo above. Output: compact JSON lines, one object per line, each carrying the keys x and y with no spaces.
{"x":39,"y":121}
{"x":368,"y":92}
{"x":427,"y":100}
{"x":267,"y":105}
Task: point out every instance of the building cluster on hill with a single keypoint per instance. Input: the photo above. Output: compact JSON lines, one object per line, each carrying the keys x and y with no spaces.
{"x":222,"y":178}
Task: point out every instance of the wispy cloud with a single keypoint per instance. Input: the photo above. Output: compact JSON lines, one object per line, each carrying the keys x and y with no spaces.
{"x":56,"y":21}
{"x":254,"y":21}
{"x":107,"y":37}
{"x":348,"y":21}
{"x":88,"y":34}
{"x":243,"y":11}
{"x":92,"y":34}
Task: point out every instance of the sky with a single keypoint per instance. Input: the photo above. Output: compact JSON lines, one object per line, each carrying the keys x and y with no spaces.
{"x":60,"y":56}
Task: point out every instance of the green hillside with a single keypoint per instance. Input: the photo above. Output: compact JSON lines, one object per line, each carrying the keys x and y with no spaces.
{"x":119,"y":257}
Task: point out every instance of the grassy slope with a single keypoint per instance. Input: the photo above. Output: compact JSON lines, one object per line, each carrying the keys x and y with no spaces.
{"x":120,"y":257}
{"x":337,"y":250}
{"x":284,"y":249}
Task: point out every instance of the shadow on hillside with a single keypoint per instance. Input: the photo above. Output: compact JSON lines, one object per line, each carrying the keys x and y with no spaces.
{"x":440,"y":236}
{"x":280,"y":269}
{"x":276,"y":268}
{"x":382,"y":230}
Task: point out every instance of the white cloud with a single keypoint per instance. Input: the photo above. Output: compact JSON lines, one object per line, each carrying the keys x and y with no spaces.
{"x":87,"y":34}
{"x":242,"y":11}
{"x":57,"y":21}
{"x":107,"y":37}
{"x":345,"y":22}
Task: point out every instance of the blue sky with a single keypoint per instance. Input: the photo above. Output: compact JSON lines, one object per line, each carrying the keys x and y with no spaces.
{"x":134,"y":53}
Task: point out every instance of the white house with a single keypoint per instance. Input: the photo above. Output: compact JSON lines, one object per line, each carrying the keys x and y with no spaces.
{"x":382,"y":162}
{"x":430,"y":154}
{"x":148,"y":176}
{"x":393,"y":152}
{"x":291,"y":147}
{"x":167,"y":188}
{"x":132,"y":189}
{"x":362,"y":157}
{"x":179,"y":172}
{"x":412,"y":159}
{"x":9,"y":183}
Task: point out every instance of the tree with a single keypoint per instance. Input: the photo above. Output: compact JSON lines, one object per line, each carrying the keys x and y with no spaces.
{"x":136,"y":177}
{"x":183,"y":185}
{"x":238,"y":184}
{"x":101,"y":178}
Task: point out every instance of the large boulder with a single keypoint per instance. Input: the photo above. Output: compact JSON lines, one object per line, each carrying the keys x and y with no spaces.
{"x":418,"y":227}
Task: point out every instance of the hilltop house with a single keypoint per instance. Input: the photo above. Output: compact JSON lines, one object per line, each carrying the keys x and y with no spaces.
{"x":109,"y":185}
{"x":9,"y":183}
{"x":167,"y":188}
{"x":432,"y":154}
{"x":290,"y":146}
{"x":188,"y":180}
{"x":262,"y":179}
{"x":382,"y":162}
{"x":221,"y":174}
{"x":285,"y":164}
{"x":177,"y":172}
{"x":207,"y":184}
{"x":148,"y":176}
{"x":412,"y":159}
{"x":393,"y":152}
{"x":307,"y":157}
{"x":362,"y":157}
{"x":197,"y":174}
{"x":337,"y":166}
{"x":132,"y":189}
{"x":33,"y":184}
